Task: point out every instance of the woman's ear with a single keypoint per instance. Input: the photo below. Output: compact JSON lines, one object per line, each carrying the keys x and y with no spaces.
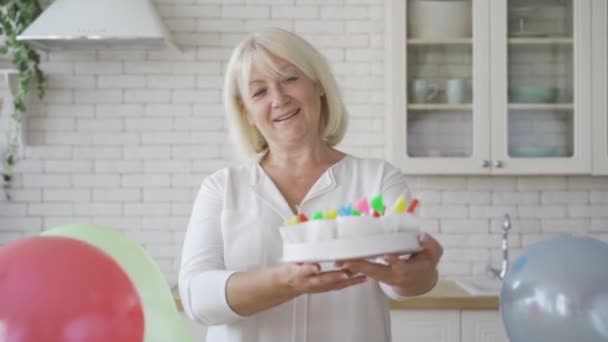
{"x":319,"y":88}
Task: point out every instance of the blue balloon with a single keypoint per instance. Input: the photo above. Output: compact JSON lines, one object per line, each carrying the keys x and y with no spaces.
{"x":557,"y":291}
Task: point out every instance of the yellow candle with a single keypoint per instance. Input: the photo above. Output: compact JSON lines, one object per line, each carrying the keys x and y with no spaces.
{"x":399,"y":206}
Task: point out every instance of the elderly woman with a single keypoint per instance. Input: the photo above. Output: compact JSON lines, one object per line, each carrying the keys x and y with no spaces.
{"x":285,"y":110}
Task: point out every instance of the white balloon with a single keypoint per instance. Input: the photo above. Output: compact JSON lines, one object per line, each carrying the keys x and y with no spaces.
{"x":557,"y":291}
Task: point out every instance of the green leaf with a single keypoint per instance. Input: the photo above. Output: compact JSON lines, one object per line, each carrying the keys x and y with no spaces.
{"x":33,"y":56}
{"x":12,"y":11}
{"x":17,"y":117}
{"x":16,"y":16}
{"x":12,"y":40}
{"x":10,"y":160}
{"x":19,"y":106}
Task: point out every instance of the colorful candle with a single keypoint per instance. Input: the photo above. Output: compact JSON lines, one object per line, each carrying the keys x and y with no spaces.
{"x":377,"y":204}
{"x":291,"y":222}
{"x":345,"y":210}
{"x":412,"y":206}
{"x":330,"y":214}
{"x":361,"y":206}
{"x":317,"y":215}
{"x":399,"y":206}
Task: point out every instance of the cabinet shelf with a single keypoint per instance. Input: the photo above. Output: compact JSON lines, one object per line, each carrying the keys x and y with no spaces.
{"x":514,"y":41}
{"x":541,"y":106}
{"x":541,"y":41}
{"x":440,"y":106}
{"x":454,"y":41}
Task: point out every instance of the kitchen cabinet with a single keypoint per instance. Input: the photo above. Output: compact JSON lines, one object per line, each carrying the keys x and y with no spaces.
{"x":425,"y":326}
{"x":489,"y":87}
{"x":482,"y":326}
{"x":600,"y":87}
{"x":447,"y":326}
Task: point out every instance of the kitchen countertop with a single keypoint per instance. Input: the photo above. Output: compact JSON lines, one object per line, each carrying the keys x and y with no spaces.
{"x":447,"y":295}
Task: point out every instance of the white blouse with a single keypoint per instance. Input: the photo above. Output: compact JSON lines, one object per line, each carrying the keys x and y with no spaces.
{"x":234,"y":227}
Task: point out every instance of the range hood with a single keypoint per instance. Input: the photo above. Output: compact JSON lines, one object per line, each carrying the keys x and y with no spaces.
{"x":98,"y":24}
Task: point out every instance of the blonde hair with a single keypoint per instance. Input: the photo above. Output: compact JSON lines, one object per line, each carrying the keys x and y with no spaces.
{"x":258,"y":49}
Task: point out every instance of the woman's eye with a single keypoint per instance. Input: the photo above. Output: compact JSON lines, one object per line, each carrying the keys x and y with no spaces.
{"x":291,"y":79}
{"x":258,"y":92}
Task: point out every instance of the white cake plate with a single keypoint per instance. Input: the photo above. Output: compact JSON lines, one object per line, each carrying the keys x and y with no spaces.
{"x":364,"y":247}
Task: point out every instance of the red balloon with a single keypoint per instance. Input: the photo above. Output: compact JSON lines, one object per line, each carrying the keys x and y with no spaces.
{"x":56,"y":289}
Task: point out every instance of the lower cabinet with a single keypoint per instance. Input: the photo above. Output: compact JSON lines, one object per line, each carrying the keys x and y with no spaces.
{"x":423,"y":326}
{"x":482,"y":326}
{"x":447,"y":326}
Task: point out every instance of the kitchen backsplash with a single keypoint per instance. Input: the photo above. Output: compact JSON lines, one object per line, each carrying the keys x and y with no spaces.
{"x":124,"y":138}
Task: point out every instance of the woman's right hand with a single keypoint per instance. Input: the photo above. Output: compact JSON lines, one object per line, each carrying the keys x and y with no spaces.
{"x":253,"y":291}
{"x":303,"y":278}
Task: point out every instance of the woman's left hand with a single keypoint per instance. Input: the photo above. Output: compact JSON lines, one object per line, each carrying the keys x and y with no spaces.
{"x":408,"y":276}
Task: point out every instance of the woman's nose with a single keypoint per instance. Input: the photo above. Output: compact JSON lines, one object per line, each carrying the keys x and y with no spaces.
{"x":279,"y":98}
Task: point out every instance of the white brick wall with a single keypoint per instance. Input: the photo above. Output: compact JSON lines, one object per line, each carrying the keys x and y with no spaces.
{"x":124,"y":138}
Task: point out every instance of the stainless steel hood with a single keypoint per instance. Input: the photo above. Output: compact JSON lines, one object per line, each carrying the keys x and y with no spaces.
{"x":98,"y":24}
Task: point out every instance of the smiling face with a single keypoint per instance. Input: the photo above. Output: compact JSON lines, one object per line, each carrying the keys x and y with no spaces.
{"x":283,"y":104}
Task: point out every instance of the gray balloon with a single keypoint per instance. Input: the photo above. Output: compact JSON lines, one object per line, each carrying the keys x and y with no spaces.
{"x":557,"y":290}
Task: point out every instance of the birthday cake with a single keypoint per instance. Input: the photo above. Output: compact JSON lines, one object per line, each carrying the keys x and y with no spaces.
{"x":360,"y":230}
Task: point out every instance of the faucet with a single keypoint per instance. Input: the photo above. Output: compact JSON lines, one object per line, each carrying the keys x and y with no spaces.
{"x":500,"y":273}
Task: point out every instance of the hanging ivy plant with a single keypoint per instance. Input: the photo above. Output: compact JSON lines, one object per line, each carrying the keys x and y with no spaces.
{"x":16,"y":16}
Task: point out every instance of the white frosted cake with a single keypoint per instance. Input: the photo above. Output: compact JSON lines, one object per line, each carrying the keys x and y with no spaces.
{"x":364,"y":229}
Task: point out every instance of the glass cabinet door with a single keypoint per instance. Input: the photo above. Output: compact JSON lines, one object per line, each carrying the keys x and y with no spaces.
{"x":600,"y":87}
{"x":541,"y":93}
{"x":445,"y":79}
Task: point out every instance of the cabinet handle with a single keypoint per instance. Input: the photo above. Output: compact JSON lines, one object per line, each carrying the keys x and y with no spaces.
{"x":498,"y":164}
{"x":485,"y":163}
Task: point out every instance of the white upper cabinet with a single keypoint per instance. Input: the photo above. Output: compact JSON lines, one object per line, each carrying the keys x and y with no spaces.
{"x":600,"y":87}
{"x":489,"y":87}
{"x":541,"y":86}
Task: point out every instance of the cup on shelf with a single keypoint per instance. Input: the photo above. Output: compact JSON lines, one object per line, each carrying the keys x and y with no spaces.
{"x":533,"y":94}
{"x":423,"y":91}
{"x":455,"y":90}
